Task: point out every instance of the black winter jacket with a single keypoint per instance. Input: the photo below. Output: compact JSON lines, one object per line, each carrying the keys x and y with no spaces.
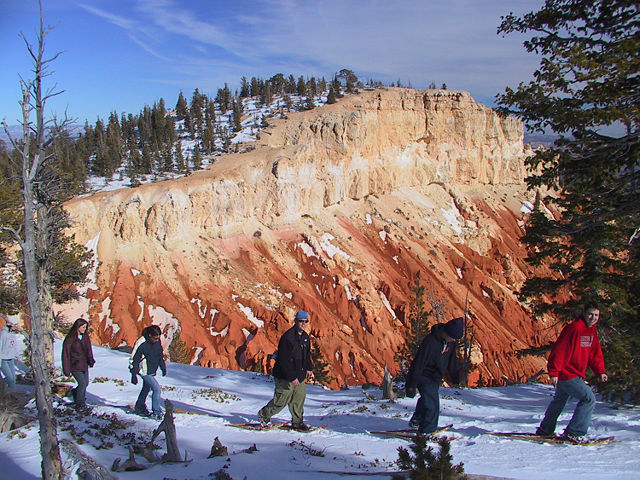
{"x":434,"y":359}
{"x":294,"y":356}
{"x":151,"y":356}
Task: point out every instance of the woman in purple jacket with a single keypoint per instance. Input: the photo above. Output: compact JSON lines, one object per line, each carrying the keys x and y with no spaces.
{"x":77,"y":357}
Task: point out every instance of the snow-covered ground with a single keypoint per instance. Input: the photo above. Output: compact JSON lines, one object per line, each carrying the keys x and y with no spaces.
{"x":220,"y":397}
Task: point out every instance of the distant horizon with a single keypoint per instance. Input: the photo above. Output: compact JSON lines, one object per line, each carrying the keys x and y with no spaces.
{"x":122,"y":55}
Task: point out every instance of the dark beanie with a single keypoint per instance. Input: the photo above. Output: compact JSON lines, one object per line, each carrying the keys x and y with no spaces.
{"x":454,"y":328}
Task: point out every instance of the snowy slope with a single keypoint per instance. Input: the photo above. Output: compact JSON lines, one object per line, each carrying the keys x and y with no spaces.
{"x":253,"y":113}
{"x":346,"y":443}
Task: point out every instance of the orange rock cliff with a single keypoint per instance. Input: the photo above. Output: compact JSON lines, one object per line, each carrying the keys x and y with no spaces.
{"x":336,"y":211}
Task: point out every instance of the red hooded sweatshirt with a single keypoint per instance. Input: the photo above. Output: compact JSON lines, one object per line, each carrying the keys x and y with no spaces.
{"x":576,"y":348}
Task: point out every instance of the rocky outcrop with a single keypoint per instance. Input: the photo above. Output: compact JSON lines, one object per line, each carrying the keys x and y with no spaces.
{"x":336,"y":211}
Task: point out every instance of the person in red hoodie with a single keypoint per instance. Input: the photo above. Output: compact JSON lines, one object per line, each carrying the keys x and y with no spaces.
{"x":577,"y":348}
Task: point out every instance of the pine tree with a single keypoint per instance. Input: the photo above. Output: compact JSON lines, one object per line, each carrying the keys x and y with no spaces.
{"x":350,"y":80}
{"x":418,"y":328}
{"x":197,"y":157}
{"x":336,"y":86}
{"x":312,"y":87}
{"x":309,"y":103}
{"x":237,"y":114}
{"x":331,"y":97}
{"x":322,"y":85}
{"x":244,"y":87}
{"x":425,"y":465}
{"x":266,"y":97}
{"x":301,"y":86}
{"x":196,"y":110}
{"x":181,"y":166}
{"x":178,"y":350}
{"x":321,"y":371}
{"x":255,"y":87}
{"x":181,"y":107}
{"x":587,"y":91}
{"x":290,"y":86}
{"x":223,"y":98}
{"x":277,"y":83}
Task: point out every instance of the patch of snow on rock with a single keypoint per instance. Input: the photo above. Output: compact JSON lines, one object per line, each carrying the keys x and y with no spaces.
{"x":307,"y":249}
{"x":451,"y":216}
{"x":167,"y":323}
{"x":249,"y":314}
{"x":385,"y":302}
{"x":527,"y":207}
{"x":330,"y":249}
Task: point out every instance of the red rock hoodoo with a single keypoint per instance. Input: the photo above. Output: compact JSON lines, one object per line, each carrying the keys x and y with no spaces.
{"x":336,"y":211}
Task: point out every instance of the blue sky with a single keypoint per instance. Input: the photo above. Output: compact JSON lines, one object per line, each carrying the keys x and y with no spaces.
{"x":123,"y":54}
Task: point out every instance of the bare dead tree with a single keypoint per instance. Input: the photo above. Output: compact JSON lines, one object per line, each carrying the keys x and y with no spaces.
{"x":168,"y":427}
{"x":438,"y":304}
{"x":387,"y":385}
{"x":31,"y":237}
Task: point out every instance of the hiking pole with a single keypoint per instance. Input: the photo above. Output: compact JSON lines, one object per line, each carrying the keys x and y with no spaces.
{"x":465,"y":353}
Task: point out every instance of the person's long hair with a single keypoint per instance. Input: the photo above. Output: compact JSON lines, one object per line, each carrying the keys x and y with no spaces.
{"x":73,"y":333}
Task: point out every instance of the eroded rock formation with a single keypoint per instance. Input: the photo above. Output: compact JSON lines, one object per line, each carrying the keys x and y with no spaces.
{"x":336,"y":211}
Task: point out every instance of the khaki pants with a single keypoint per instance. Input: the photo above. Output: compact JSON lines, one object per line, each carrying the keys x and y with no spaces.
{"x":286,"y":394}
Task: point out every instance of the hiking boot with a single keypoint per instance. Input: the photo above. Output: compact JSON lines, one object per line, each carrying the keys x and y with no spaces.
{"x":300,"y":427}
{"x":572,"y":437}
{"x":414,"y":423}
{"x":541,"y":432}
{"x":157,"y":415}
{"x":264,"y":422}
{"x":142,"y":413}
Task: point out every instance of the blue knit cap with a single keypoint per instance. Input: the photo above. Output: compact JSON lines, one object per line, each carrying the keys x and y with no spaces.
{"x":301,"y":315}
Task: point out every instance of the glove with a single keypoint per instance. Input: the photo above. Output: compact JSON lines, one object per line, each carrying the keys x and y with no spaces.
{"x":410,"y":392}
{"x":91,"y":364}
{"x":134,"y":379}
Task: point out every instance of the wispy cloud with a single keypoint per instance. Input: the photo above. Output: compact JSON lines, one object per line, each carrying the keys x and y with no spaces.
{"x":453,"y":42}
{"x":148,"y":49}
{"x":420,"y":41}
{"x":117,"y":20}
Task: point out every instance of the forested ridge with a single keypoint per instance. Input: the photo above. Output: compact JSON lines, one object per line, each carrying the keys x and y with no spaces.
{"x":164,"y":141}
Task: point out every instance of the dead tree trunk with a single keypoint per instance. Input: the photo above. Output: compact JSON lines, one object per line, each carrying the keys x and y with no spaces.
{"x":36,"y":222}
{"x":387,"y":385}
{"x":168,"y":427}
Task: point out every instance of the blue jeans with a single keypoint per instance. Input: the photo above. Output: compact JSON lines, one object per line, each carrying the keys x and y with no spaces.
{"x":579,"y":423}
{"x":79,"y":393}
{"x":8,"y":368}
{"x":149,"y":382}
{"x":428,"y":405}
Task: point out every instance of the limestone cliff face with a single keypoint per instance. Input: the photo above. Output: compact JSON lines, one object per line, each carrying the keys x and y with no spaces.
{"x":336,"y":211}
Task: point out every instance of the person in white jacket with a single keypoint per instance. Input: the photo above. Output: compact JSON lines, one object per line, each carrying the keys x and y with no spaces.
{"x":9,"y":350}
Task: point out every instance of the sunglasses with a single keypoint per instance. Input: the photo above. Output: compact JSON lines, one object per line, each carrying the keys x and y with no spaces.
{"x":302,"y":321}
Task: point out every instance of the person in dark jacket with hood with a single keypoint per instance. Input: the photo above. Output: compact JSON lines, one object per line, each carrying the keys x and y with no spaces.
{"x":77,"y":357}
{"x":293,"y":366}
{"x":434,"y":359}
{"x":148,"y":357}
